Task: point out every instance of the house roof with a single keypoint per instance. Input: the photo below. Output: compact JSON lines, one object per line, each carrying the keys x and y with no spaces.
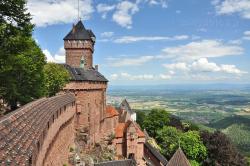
{"x":125,"y":105}
{"x":79,"y":32}
{"x":119,"y":130}
{"x":156,"y":153}
{"x":111,"y":111}
{"x":80,"y":74}
{"x":140,"y":133}
{"x":128,"y":162}
{"x":179,"y":159}
{"x":122,"y":127}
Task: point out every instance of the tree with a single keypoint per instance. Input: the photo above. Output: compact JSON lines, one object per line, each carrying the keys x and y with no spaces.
{"x":169,"y":139}
{"x":193,"y":146}
{"x":56,"y":77}
{"x":175,"y":122}
{"x":155,"y":120}
{"x":221,"y":151}
{"x":21,"y":60}
{"x":140,"y":116}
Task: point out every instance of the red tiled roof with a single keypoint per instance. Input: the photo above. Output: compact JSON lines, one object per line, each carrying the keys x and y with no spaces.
{"x":119,"y":130}
{"x":138,"y":130}
{"x":111,"y":111}
{"x":21,"y":129}
{"x":121,"y":127}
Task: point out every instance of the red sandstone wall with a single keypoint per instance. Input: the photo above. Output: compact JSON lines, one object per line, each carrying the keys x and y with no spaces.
{"x":92,"y":105}
{"x":75,"y":50}
{"x":52,"y":145}
{"x":76,"y":85}
{"x":109,"y":125}
{"x":58,"y":154}
{"x":135,"y":145}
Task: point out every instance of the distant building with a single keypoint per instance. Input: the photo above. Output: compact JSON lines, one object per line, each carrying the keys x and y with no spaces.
{"x":126,"y":113}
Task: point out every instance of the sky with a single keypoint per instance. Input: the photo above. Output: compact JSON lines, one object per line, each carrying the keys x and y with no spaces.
{"x":152,"y":42}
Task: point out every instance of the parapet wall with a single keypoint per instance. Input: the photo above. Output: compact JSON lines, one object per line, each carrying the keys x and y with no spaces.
{"x":27,"y":134}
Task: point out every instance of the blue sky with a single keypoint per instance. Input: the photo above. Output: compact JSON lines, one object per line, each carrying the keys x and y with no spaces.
{"x":154,"y":41}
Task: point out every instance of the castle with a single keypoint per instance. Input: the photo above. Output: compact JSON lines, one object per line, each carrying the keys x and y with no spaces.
{"x":42,"y":132}
{"x":89,"y":86}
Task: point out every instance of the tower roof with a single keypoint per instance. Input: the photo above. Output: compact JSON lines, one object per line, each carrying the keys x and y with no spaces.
{"x":80,"y":74}
{"x":179,"y":159}
{"x":79,"y":32}
{"x":127,"y":107}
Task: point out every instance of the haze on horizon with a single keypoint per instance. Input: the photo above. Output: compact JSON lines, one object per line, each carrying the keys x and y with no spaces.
{"x":154,"y":41}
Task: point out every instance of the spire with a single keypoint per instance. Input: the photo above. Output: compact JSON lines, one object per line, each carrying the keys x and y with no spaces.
{"x":179,"y":158}
{"x":79,"y":32}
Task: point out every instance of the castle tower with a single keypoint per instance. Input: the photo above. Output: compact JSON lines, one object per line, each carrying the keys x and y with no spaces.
{"x":79,"y":46}
{"x":88,"y":85}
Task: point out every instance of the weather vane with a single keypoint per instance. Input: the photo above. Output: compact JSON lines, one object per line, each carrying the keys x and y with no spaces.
{"x":79,"y":10}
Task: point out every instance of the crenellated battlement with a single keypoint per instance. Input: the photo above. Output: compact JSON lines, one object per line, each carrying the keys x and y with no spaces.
{"x":79,"y":44}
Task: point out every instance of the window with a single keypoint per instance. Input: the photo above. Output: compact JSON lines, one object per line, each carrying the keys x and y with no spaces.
{"x":131,"y":156}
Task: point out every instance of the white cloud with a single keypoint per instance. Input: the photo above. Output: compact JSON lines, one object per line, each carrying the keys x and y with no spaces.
{"x":59,"y":57}
{"x":246,"y":35}
{"x":114,"y":76}
{"x":49,"y":12}
{"x":139,"y":77}
{"x":107,"y":34}
{"x":236,"y":42}
{"x":48,"y":55}
{"x":124,"y":12}
{"x":241,"y":7}
{"x":202,"y":49}
{"x":182,"y":66}
{"x":163,"y":3}
{"x":232,"y":69}
{"x":132,"y":39}
{"x":104,"y":9}
{"x":136,"y":61}
{"x":203,"y":65}
{"x":165,"y":76}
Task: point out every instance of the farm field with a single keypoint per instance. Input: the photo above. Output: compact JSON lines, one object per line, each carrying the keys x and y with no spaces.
{"x":223,"y":108}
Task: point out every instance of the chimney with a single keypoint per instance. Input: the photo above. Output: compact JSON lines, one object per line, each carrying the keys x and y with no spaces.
{"x":96,"y":67}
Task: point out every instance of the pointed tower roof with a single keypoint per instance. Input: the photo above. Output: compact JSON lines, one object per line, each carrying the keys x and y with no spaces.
{"x":179,"y":159}
{"x":127,"y":107}
{"x":79,"y":32}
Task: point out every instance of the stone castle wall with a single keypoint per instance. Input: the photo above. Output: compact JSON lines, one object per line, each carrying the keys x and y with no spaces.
{"x":59,"y":153}
{"x":91,"y":104}
{"x":53,"y":144}
{"x":29,"y":133}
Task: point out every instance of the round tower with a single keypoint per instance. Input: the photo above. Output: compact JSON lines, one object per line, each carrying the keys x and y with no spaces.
{"x":79,"y":47}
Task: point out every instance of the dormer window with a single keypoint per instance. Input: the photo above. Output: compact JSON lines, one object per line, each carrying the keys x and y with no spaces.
{"x":82,"y":63}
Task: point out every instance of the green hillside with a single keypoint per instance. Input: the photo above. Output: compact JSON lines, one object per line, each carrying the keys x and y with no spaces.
{"x":237,"y":128}
{"x":240,"y":135}
{"x":228,"y":121}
